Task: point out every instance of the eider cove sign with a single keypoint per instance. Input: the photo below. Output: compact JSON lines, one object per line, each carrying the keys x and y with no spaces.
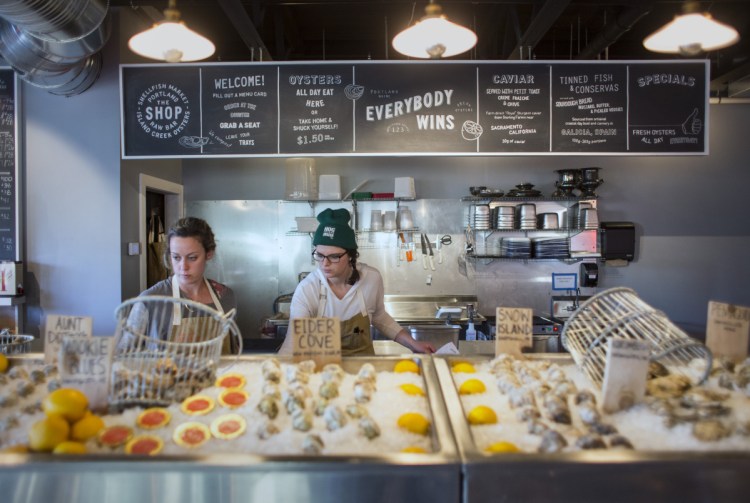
{"x":414,"y":108}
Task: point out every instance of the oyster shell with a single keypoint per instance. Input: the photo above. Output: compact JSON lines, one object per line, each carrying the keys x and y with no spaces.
{"x":266,"y":429}
{"x":334,"y":417}
{"x":557,"y":410}
{"x":584,"y":396}
{"x":521,"y":397}
{"x":590,"y":441}
{"x":671,"y":386}
{"x":271,"y":370}
{"x":333,"y":372}
{"x":269,"y":406}
{"x":620,"y":441}
{"x":312,"y":444}
{"x":319,"y":405}
{"x":369,"y":427}
{"x":18,"y":373}
{"x":536,"y":427}
{"x":24,"y":388}
{"x":363,"y":391}
{"x":710,"y":430}
{"x":329,"y":389}
{"x":527,"y":413}
{"x":589,"y":414}
{"x":302,"y":420}
{"x":307,"y":366}
{"x":552,"y":441}
{"x":295,"y":374}
{"x":367,"y":373}
{"x":8,"y":400}
{"x":37,"y":376}
{"x":355,"y":410}
{"x":271,"y":390}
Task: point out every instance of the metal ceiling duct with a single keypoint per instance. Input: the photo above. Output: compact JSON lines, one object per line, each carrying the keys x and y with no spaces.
{"x":55,"y":44}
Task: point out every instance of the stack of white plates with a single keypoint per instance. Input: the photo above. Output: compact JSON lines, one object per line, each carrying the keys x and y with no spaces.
{"x":515,"y":247}
{"x":504,"y":217}
{"x":480,"y":215}
{"x":551,"y":247}
{"x":526,"y":216}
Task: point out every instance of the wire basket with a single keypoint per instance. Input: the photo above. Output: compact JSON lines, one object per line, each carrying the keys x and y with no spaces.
{"x":620,"y":313}
{"x":14,"y":344}
{"x":154,"y":362}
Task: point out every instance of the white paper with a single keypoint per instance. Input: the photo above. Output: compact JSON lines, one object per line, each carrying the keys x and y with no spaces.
{"x":447,"y":349}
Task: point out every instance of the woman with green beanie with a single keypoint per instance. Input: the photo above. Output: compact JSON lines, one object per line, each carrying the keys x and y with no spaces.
{"x":342,"y":288}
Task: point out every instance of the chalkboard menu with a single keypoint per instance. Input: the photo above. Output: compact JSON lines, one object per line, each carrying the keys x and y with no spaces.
{"x":414,"y":108}
{"x":8,"y":166}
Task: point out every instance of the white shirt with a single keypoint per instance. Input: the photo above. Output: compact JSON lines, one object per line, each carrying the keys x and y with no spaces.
{"x":369,"y":288}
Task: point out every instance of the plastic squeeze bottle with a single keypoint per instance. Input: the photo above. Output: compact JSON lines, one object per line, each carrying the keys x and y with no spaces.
{"x":471,"y":333}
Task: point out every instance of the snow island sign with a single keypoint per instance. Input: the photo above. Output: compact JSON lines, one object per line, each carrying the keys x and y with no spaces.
{"x":414,"y":108}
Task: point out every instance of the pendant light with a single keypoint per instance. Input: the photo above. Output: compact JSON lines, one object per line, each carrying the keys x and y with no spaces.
{"x":691,"y":33}
{"x":171,"y":41}
{"x":434,"y":36}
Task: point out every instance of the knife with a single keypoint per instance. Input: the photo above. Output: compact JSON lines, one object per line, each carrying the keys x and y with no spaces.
{"x":424,"y":251}
{"x":432,"y":253}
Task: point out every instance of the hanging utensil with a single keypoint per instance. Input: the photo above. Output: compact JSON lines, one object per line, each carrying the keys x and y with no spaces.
{"x":430,"y":251}
{"x":409,"y":254}
{"x":424,"y":251}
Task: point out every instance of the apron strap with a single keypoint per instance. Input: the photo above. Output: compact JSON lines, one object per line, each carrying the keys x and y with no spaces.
{"x":177,"y":311}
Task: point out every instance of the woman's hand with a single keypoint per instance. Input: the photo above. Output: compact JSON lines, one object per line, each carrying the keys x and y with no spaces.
{"x":405,"y":339}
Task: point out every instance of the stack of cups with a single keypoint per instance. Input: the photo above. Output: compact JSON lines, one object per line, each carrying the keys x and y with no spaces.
{"x":405,"y":219}
{"x":389,"y":221}
{"x":376,"y":220}
{"x":526,"y":216}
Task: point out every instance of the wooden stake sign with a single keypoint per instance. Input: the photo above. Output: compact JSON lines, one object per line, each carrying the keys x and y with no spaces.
{"x":727,"y":330}
{"x":85,"y":365}
{"x":513,"y":330}
{"x":317,"y":339}
{"x":58,"y":327}
{"x":625,"y":374}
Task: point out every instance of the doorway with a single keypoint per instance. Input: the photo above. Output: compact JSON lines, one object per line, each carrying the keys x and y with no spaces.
{"x":156,"y":197}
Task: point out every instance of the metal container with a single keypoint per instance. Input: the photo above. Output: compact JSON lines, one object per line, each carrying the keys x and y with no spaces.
{"x":612,"y":475}
{"x":430,"y":477}
{"x":437,"y":335}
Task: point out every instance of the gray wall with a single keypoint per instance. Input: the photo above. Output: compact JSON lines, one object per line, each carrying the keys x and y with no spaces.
{"x":690,"y":211}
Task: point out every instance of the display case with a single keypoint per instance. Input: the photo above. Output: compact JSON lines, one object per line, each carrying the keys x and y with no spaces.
{"x":218,"y":476}
{"x":619,"y":475}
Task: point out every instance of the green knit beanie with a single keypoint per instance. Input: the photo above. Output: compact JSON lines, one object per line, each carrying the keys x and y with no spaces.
{"x":334,"y":230}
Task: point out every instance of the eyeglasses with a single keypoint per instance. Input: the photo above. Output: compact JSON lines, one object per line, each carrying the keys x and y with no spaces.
{"x":333,"y":258}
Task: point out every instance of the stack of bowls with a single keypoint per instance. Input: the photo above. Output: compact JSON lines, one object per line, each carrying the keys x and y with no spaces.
{"x":589,"y":218}
{"x":480,"y":215}
{"x":504,"y":217}
{"x":526,"y":216}
{"x":547,"y":221}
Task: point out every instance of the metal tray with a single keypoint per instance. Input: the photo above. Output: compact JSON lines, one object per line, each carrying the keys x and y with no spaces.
{"x":431,"y":477}
{"x":591,"y":476}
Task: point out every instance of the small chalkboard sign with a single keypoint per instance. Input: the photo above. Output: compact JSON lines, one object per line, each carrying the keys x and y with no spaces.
{"x":625,"y":373}
{"x":513,"y":330}
{"x":317,"y":339}
{"x":728,"y":330}
{"x":85,"y":364}
{"x":58,"y":327}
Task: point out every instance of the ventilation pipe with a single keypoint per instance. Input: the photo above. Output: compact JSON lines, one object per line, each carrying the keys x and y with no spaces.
{"x":55,"y":44}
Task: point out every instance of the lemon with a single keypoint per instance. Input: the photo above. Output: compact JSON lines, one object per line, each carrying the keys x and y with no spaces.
{"x":67,"y":402}
{"x":467,"y":368}
{"x":3,"y":363}
{"x":69,"y":447}
{"x":472,"y":386}
{"x":414,"y":422}
{"x":413,"y":449}
{"x":412,"y":389}
{"x":86,"y":427}
{"x":406,"y":366}
{"x":482,"y":415}
{"x":501,"y":447}
{"x":47,"y":433}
